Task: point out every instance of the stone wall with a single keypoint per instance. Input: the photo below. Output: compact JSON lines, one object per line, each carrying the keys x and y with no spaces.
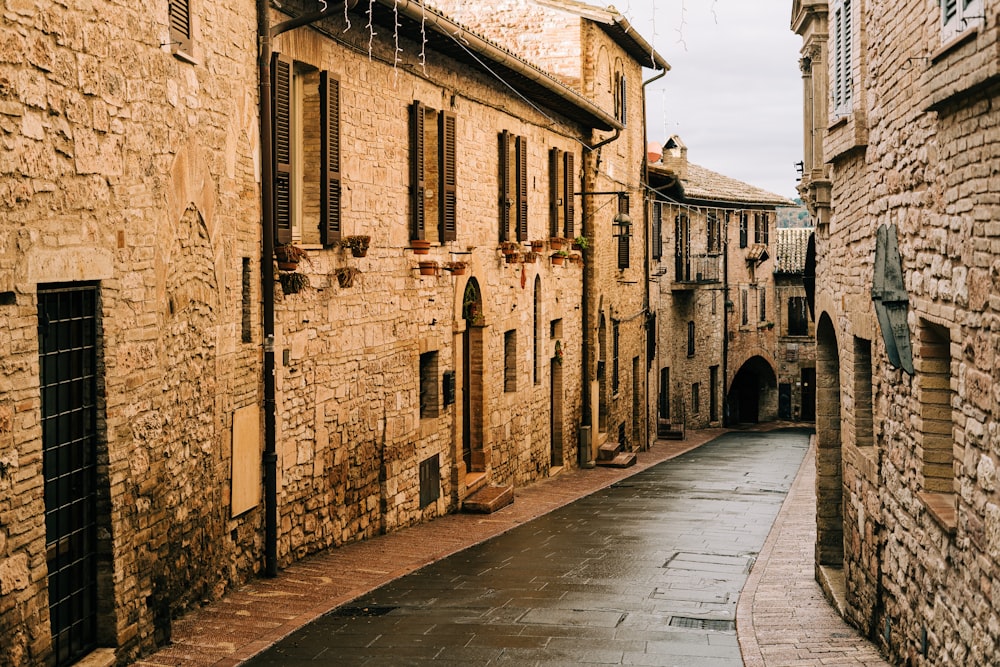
{"x":918,"y":152}
{"x":131,"y":168}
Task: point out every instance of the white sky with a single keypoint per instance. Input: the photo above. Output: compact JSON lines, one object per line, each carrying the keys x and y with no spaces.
{"x":734,"y":91}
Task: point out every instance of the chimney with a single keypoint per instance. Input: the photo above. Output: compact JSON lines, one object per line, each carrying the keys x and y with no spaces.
{"x":675,"y":157}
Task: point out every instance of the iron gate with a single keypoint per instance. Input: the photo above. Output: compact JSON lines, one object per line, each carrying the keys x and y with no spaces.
{"x":67,"y":323}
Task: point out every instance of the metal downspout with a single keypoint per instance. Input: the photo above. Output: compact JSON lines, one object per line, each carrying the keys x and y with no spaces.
{"x":265,"y":34}
{"x":644,"y":181}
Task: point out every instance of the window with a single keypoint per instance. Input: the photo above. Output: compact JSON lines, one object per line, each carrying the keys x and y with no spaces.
{"x":180,"y":26}
{"x":562,"y":176}
{"x":762,"y":313}
{"x":510,"y":360}
{"x":657,"y":230}
{"x":695,"y":398}
{"x":760,"y":228}
{"x":433,"y":181}
{"x":936,"y":421}
{"x":744,"y":224}
{"x":798,"y":316}
{"x":745,"y":303}
{"x":714,"y":226}
{"x":959,"y":15}
{"x":307,"y":182}
{"x":623,"y":237}
{"x":246,"y":323}
{"x":513,"y":187}
{"x":864,"y":422}
{"x":841,"y":78}
{"x":428,"y":385}
{"x":430,"y":480}
{"x":621,"y":98}
{"x":682,"y":247}
{"x":690,"y":350}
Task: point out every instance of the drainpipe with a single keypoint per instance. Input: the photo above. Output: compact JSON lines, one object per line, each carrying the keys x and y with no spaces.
{"x":265,"y":35}
{"x":725,"y":323}
{"x":644,"y":181}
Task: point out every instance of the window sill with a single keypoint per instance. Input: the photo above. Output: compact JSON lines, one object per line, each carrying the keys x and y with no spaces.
{"x":185,"y":56}
{"x":954,"y":42}
{"x":942,"y":508}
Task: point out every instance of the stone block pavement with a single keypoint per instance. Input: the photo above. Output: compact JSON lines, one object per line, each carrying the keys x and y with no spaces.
{"x":783,"y":620}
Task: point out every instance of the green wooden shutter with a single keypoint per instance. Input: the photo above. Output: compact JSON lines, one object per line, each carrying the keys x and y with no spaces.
{"x":281,"y":87}
{"x":522,"y":189}
{"x":418,"y":180}
{"x":330,"y":185}
{"x":447,"y":161}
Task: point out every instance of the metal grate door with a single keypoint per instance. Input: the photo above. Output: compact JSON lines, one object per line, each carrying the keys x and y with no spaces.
{"x":68,"y":359}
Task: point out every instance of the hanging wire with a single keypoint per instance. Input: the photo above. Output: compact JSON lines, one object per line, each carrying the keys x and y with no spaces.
{"x":395,"y":38}
{"x":347,"y":19}
{"x":423,"y":38}
{"x":682,"y":25}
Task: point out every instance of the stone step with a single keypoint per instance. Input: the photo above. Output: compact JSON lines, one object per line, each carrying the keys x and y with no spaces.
{"x":669,"y":434}
{"x":488,"y":499}
{"x":608,"y":451}
{"x":622,"y":460}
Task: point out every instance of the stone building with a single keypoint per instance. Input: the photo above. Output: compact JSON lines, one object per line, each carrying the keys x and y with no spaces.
{"x":725,"y":280}
{"x":617,"y":350}
{"x":134,"y":401}
{"x":901,"y":111}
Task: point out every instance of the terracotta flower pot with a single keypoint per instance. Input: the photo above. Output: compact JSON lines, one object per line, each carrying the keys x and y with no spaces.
{"x":420,"y":246}
{"x":557,"y":259}
{"x":428,"y":268}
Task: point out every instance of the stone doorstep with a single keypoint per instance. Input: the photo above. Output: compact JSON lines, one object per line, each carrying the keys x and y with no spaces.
{"x":102,"y":657}
{"x":831,"y":581}
{"x":622,"y":460}
{"x":489,"y":499}
{"x":608,"y":451}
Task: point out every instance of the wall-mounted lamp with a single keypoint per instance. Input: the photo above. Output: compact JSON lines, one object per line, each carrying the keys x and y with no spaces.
{"x":622,"y":224}
{"x":799,"y":169}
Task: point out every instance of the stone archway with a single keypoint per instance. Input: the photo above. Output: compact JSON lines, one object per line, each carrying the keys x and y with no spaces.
{"x":829,"y":458}
{"x":753,"y":391}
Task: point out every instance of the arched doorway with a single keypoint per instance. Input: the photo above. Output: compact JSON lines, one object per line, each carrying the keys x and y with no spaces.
{"x":753,"y":392}
{"x":829,"y":479}
{"x":472,"y":378}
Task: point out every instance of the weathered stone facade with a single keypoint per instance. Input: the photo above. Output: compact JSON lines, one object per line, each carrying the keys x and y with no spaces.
{"x":907,"y":430}
{"x":131,"y":176}
{"x":617,"y":352}
{"x":726,"y":353}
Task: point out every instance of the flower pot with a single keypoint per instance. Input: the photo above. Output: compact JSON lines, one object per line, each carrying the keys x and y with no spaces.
{"x":428,"y":268}
{"x":537,"y":246}
{"x":512,"y":259}
{"x":556,"y":243}
{"x":458,"y":272}
{"x":359,"y":252}
{"x":557,"y":260}
{"x":420,"y":246}
{"x":287,"y":266}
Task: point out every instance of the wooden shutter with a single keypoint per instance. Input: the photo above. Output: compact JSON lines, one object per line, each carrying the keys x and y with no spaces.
{"x":522,"y":189}
{"x":744,"y":221}
{"x":281,"y":87}
{"x":569,"y":207}
{"x":447,"y":123}
{"x":623,"y":239}
{"x":766,"y":227}
{"x":555,"y":191}
{"x":180,"y":24}
{"x":506,"y":200}
{"x":330,"y":186}
{"x":657,"y":231}
{"x":418,"y":171}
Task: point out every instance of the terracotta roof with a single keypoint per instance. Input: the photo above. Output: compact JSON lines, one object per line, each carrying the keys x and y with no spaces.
{"x":790,"y":249}
{"x":705,"y":184}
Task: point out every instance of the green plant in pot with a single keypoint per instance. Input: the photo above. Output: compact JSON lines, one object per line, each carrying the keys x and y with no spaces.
{"x":357,"y":244}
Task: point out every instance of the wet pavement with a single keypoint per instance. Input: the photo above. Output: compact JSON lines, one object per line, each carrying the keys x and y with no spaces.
{"x":647,"y":571}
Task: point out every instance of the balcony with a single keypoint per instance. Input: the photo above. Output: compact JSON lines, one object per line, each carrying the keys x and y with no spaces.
{"x":691,"y":271}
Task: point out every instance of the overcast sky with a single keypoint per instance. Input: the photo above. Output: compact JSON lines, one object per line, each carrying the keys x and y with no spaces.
{"x":734,"y":91}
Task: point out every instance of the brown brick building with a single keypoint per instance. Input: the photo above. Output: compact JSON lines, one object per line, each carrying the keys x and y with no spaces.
{"x":136,"y":343}
{"x":901,"y":158}
{"x":726,"y":280}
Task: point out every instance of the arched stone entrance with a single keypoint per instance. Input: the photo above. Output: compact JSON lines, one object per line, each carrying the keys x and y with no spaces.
{"x":473,"y":352}
{"x":829,"y":458}
{"x":753,"y":393}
